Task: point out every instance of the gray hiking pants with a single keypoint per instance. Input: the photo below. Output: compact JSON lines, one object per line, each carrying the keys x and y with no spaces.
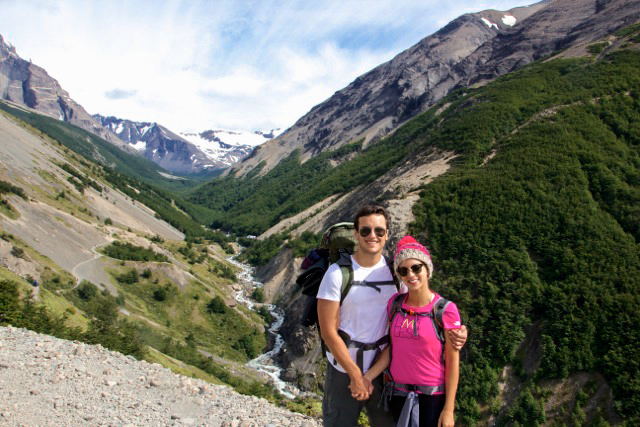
{"x":339,"y":409}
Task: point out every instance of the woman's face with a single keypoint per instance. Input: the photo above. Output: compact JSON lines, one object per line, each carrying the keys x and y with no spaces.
{"x":414,"y":274}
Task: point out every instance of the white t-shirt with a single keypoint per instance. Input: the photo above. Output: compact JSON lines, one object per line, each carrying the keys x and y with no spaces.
{"x":362,"y":313}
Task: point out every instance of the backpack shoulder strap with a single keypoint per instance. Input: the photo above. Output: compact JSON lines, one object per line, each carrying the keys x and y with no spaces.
{"x":389,"y":261}
{"x":396,"y":305}
{"x":346,"y":268}
{"x":438,"y":311}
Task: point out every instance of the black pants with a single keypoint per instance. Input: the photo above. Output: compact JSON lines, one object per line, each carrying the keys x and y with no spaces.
{"x":430,"y":408}
{"x":339,"y":409}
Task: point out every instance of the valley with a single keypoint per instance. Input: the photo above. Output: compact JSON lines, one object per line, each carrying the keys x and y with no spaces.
{"x":513,"y":153}
{"x":57,"y":236}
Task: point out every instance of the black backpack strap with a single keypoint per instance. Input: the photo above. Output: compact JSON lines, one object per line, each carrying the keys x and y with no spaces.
{"x":396,"y":306}
{"x":438,"y":324}
{"x":362,"y":347}
{"x":396,"y":281}
{"x":437,"y":313}
{"x":374,"y":285}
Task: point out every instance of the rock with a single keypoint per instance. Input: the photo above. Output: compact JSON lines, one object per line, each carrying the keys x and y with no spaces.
{"x":135,"y":403}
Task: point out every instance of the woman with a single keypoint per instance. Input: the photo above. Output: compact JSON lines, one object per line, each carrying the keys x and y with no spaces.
{"x":423,"y":373}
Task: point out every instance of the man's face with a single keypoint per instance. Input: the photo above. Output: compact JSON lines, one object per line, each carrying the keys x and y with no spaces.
{"x":371,"y":243}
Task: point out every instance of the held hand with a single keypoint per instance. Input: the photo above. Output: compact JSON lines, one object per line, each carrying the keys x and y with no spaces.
{"x":446,"y":419}
{"x":368,"y":384}
{"x":457,"y":337}
{"x":359,"y":389}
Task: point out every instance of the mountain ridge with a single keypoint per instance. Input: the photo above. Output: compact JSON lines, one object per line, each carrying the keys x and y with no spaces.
{"x":185,"y":153}
{"x":29,"y":85}
{"x":380,"y":100}
{"x":404,"y":90}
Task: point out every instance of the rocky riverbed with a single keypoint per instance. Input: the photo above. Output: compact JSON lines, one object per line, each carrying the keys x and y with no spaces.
{"x":46,"y":381}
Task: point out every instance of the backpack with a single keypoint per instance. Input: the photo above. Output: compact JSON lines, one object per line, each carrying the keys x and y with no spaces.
{"x":337,"y":245}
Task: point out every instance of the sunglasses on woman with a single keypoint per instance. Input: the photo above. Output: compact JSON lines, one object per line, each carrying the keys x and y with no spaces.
{"x":365,"y":231}
{"x":415,"y":268}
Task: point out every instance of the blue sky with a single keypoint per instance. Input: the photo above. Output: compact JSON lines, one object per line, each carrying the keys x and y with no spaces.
{"x":231,"y":64}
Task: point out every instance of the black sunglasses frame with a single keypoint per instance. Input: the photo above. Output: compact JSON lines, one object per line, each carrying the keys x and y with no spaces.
{"x":415,"y":269}
{"x":365,"y":231}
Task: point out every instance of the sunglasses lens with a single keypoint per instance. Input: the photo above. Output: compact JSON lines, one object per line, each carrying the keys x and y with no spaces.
{"x":415,"y":268}
{"x":365,"y":231}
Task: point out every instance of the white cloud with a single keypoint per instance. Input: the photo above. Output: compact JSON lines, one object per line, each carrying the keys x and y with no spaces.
{"x":195,"y":65}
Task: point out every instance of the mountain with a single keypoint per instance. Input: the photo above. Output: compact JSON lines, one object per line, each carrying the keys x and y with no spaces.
{"x":525,"y":186}
{"x":159,"y":144}
{"x":471,"y":49}
{"x":26,"y":84}
{"x":185,"y":153}
{"x":226,"y":147}
{"x":115,"y":261}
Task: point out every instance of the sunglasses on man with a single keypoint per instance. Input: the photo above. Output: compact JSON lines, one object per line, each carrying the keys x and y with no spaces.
{"x":415,"y":269}
{"x":365,"y":231}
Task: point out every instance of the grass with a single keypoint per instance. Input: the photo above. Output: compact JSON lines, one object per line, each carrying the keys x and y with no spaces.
{"x":178,"y":367}
{"x":184,"y":310}
{"x":7,"y":210}
{"x":57,"y":304}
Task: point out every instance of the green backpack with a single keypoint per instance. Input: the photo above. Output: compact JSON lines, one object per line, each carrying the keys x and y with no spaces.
{"x":337,"y":245}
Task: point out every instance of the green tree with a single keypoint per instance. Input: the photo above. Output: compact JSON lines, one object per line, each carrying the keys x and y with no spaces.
{"x":217,"y":305}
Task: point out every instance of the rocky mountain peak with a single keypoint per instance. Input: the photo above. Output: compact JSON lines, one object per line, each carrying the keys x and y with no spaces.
{"x":380,"y":100}
{"x":472,"y":49}
{"x":28,"y":85}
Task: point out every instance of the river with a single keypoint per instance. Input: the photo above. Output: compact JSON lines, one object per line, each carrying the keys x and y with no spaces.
{"x":265,"y":362}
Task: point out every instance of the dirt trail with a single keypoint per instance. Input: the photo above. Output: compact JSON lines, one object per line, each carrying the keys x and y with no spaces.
{"x":93,"y":271}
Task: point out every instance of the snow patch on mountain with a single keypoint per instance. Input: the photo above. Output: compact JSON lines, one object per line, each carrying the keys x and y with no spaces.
{"x":509,"y":20}
{"x":489,"y":23}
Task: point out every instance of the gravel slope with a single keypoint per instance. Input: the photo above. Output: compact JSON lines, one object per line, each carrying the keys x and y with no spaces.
{"x":46,"y":381}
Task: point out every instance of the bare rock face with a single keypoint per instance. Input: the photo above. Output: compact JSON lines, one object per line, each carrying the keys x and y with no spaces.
{"x":560,"y":25}
{"x":379,"y":101}
{"x":471,"y":49}
{"x":28,"y":85}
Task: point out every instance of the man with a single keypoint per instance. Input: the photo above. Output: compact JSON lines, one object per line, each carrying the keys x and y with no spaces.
{"x":356,"y":331}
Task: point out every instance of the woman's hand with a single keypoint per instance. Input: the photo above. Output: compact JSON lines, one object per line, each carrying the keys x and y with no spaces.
{"x":368,"y":382}
{"x":446,"y":419}
{"x":360,"y":388}
{"x":457,"y":337}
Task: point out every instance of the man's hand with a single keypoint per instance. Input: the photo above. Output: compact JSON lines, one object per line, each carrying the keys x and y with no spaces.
{"x":457,"y":337}
{"x":359,"y":388}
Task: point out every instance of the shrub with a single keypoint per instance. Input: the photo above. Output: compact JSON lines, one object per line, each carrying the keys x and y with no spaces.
{"x":258,"y":295}
{"x":86,"y":290}
{"x":17,"y":252}
{"x":160,"y":294}
{"x":217,"y":306}
{"x":129,"y":252}
{"x":129,"y":277}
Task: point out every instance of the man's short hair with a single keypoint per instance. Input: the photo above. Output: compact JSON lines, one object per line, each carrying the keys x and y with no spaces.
{"x":367,"y":210}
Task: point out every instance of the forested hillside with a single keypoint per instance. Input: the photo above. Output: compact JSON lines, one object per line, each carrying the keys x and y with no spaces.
{"x":546,"y":233}
{"x":534,"y":232}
